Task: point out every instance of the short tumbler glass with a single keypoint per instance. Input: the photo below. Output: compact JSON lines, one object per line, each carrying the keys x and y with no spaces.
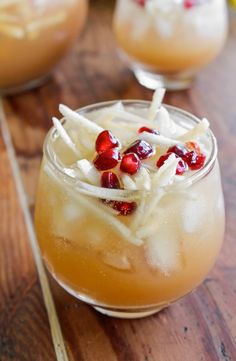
{"x":91,"y":253}
{"x":34,"y":36}
{"x":167,"y":41}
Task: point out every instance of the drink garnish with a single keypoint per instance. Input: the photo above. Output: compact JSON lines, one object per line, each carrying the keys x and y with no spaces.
{"x":144,"y":154}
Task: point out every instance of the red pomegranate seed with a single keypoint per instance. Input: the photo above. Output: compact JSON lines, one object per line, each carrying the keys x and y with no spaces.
{"x":195,"y":161}
{"x":141,"y":148}
{"x":181,"y":166}
{"x":193,"y":146}
{"x":149,"y":130}
{"x":130,"y":163}
{"x":188,"y":4}
{"x":179,"y":149}
{"x":141,"y":2}
{"x":107,"y":160}
{"x":106,"y":140}
{"x":124,"y":208}
{"x":110,"y":180}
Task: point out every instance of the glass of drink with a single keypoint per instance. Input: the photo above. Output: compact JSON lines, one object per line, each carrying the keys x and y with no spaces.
{"x":34,"y":35}
{"x":167,"y":41}
{"x":129,"y":219}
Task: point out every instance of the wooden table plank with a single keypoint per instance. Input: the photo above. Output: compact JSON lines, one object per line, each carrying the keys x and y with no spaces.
{"x":202,"y":326}
{"x":24,"y":327}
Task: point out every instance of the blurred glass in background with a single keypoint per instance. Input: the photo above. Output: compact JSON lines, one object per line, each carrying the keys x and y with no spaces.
{"x":232,"y":3}
{"x":34,"y":35}
{"x":167,"y":41}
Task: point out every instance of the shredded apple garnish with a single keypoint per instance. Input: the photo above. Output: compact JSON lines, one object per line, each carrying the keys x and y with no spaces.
{"x":142,"y":151}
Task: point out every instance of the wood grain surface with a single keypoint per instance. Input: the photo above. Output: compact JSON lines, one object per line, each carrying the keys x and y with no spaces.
{"x":201,"y":326}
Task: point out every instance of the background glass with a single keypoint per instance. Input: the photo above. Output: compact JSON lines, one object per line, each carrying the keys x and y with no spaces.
{"x":34,"y":35}
{"x":167,"y":41}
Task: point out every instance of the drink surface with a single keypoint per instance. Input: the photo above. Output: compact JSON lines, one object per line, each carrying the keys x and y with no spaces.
{"x":168,"y":36}
{"x":155,"y":254}
{"x":35,"y":35}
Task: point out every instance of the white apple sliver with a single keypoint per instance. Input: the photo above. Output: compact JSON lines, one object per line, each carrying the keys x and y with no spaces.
{"x":112,"y":220}
{"x":149,"y":167}
{"x":152,"y":204}
{"x":129,"y":117}
{"x":70,"y":172}
{"x":199,"y":130}
{"x":158,"y":139}
{"x":163,"y":177}
{"x":164,"y":123}
{"x":80,"y":120}
{"x":142,"y":179}
{"x":105,"y":116}
{"x":119,"y":261}
{"x":107,"y":193}
{"x":101,"y":211}
{"x":89,"y":171}
{"x":138,"y":216}
{"x":166,"y":173}
{"x":156,"y":102}
{"x":109,"y":111}
{"x":57,"y":124}
{"x":128,"y":182}
{"x":83,"y":141}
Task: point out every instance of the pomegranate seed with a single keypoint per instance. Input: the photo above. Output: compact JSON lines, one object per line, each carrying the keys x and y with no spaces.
{"x":130,"y":163}
{"x":149,"y":130}
{"x":195,"y":161}
{"x":110,"y":180}
{"x":141,"y":148}
{"x":188,"y":4}
{"x":141,"y":2}
{"x":181,"y":166}
{"x":193,"y":146}
{"x":180,"y":150}
{"x":124,"y":208}
{"x":107,"y":160}
{"x":106,"y":140}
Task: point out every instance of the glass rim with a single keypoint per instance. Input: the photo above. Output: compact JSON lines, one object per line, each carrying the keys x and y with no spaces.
{"x":193,"y":178}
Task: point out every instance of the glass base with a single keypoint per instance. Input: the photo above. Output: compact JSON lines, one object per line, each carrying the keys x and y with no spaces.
{"x":118,"y":312}
{"x":11,"y":90}
{"x":127,"y":314}
{"x":152,"y":80}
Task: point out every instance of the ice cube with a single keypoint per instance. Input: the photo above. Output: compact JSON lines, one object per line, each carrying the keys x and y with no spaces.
{"x":163,"y":250}
{"x":193,"y":214}
{"x":116,"y":260}
{"x":72,"y":212}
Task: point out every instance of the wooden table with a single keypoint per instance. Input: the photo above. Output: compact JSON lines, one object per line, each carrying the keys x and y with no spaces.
{"x":41,"y":322}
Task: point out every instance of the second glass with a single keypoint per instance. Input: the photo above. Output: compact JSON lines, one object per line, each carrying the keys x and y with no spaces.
{"x":168,"y":41}
{"x":34,"y":36}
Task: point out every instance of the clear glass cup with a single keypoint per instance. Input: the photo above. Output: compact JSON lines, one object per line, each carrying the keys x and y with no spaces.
{"x":94,"y":254}
{"x":167,"y":41}
{"x":34,"y":36}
